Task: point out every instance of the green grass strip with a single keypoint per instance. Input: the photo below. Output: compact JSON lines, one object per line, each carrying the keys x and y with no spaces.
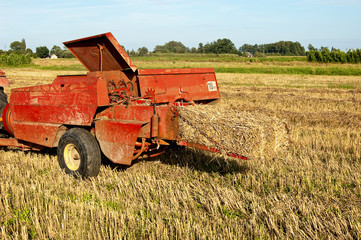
{"x":294,"y":70}
{"x":73,"y":67}
{"x":307,"y":70}
{"x":216,"y":58}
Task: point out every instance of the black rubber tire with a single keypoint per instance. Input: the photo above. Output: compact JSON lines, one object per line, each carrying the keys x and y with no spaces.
{"x":3,"y":103}
{"x":3,"y":98}
{"x":85,"y":159}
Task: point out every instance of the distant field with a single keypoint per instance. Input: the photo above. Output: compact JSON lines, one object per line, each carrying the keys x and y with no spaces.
{"x":314,"y":192}
{"x":221,"y":64}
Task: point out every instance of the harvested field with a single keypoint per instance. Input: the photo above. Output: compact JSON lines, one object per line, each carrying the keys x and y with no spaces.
{"x":313,"y":192}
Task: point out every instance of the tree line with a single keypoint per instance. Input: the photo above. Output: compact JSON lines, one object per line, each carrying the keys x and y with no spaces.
{"x":18,"y":54}
{"x":226,"y":46}
{"x":324,"y":55}
{"x":284,"y":48}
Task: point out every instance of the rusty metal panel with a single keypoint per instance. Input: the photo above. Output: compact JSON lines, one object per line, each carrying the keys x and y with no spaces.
{"x":168,"y":123}
{"x":39,"y":133}
{"x":117,"y":139}
{"x":69,"y":100}
{"x":4,"y":82}
{"x":12,"y":142}
{"x":101,"y":53}
{"x":173,"y":84}
{"x":209,"y":149}
{"x":102,"y":92}
{"x":71,"y":115}
{"x":137,"y":112}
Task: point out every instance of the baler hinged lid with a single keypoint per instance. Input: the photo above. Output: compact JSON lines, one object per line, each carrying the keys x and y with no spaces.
{"x":101,"y":53}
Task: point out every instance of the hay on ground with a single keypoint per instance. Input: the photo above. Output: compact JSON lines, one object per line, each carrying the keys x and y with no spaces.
{"x":253,"y":135}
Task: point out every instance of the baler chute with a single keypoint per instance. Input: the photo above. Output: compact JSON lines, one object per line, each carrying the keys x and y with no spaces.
{"x":116,"y":109}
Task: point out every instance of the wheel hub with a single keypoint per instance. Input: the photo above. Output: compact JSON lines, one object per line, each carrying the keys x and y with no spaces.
{"x":72,"y":157}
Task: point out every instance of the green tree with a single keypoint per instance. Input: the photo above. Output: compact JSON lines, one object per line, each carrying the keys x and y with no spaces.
{"x":319,"y":56}
{"x":354,"y":56}
{"x":23,"y":45}
{"x":208,"y":48}
{"x":337,"y":55}
{"x":172,"y":46}
{"x":326,"y":55}
{"x":66,"y":53}
{"x":224,"y":45}
{"x":14,"y":59}
{"x":357,"y":55}
{"x":200,"y":48}
{"x":29,"y":51}
{"x":16,"y":46}
{"x":42,"y":52}
{"x":57,"y":51}
{"x":311,"y":56}
{"x":143,"y":51}
{"x":176,"y":47}
{"x":279,"y":48}
{"x":131,"y":52}
{"x":311,"y":47}
{"x":160,"y":49}
{"x":351,"y":56}
{"x":248,"y":48}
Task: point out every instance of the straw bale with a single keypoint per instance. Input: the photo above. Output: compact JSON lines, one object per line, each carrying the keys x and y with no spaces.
{"x":253,"y":135}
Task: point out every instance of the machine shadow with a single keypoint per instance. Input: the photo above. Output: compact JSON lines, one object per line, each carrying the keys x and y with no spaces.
{"x":176,"y":156}
{"x":198,"y":160}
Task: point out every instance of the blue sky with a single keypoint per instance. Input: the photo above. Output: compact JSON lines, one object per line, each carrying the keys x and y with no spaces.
{"x":138,"y":23}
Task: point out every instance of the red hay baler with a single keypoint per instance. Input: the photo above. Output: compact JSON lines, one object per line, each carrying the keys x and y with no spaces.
{"x":115,"y":109}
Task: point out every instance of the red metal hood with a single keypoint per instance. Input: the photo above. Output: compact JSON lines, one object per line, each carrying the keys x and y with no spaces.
{"x":101,"y":53}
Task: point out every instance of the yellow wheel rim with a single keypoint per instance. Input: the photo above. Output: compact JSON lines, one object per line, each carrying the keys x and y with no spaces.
{"x":71,"y":157}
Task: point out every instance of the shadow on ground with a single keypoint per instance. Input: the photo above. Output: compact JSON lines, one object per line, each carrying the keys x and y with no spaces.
{"x":177,"y":156}
{"x":198,"y":160}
